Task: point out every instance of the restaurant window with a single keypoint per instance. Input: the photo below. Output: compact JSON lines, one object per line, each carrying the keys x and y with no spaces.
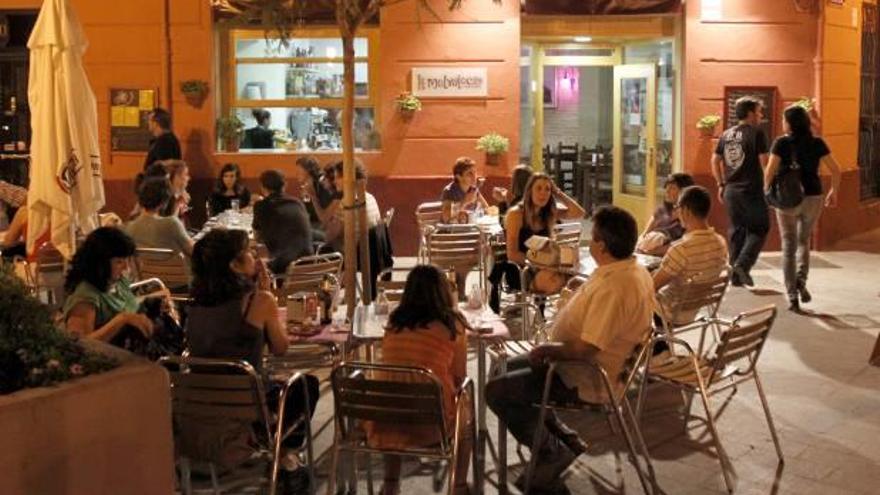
{"x":869,"y":111}
{"x":300,"y":87}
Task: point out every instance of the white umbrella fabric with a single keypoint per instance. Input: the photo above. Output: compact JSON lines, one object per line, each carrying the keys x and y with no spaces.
{"x":66,"y":188}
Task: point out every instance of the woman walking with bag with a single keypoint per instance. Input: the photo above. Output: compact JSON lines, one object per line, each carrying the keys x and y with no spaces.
{"x":799,"y":152}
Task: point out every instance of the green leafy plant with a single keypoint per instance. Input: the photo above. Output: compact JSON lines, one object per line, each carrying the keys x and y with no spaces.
{"x":407,"y":102}
{"x":229,"y":127}
{"x":806,"y":103}
{"x":33,"y":352}
{"x":194,"y":87}
{"x":493,"y":143}
{"x":708,"y":122}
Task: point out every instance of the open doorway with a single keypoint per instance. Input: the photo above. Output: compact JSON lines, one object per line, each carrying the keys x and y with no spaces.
{"x":600,"y":117}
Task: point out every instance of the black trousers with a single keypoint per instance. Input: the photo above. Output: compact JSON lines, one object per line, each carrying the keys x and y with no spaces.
{"x":749,"y":225}
{"x":294,"y":406}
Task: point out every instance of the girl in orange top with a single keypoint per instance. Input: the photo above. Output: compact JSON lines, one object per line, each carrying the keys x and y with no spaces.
{"x":425,"y":330}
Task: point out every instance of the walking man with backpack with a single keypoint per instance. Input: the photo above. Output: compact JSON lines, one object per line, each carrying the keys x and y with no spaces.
{"x":738,"y":167}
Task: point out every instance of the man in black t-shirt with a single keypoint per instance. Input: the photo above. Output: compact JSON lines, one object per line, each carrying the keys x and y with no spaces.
{"x":738,"y":167}
{"x":164,"y":145}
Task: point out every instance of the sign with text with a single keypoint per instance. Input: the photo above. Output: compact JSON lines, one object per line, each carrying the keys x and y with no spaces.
{"x":450,"y":82}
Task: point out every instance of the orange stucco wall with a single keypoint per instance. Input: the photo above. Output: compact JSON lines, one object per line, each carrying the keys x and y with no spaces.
{"x":839,"y":68}
{"x":128,"y":48}
{"x":756,"y":43}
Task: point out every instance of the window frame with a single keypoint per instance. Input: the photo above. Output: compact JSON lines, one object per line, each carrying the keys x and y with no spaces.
{"x":868,"y":158}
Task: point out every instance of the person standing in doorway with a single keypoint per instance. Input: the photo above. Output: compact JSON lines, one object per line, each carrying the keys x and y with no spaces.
{"x":738,"y":167}
{"x":164,"y":145}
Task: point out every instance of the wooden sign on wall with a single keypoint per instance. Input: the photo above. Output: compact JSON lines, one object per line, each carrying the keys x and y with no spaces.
{"x":768,"y":95}
{"x":129,"y":118}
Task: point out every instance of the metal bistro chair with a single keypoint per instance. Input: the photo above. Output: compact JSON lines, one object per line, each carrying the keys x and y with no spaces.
{"x":682,"y":305}
{"x":211,"y":389}
{"x":307,"y":273}
{"x":393,"y":289}
{"x":734,"y":360}
{"x":458,"y":247}
{"x":617,"y":407}
{"x":400,"y":395}
{"x":428,"y":215}
{"x":568,"y":233}
{"x":167,"y":265}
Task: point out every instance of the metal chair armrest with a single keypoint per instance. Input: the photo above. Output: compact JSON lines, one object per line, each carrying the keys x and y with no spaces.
{"x":280,"y":434}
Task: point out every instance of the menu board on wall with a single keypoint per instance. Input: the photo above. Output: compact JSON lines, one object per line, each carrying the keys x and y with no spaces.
{"x":129,"y":118}
{"x":768,"y":95}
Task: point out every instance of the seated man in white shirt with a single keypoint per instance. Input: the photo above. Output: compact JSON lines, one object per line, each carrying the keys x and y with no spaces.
{"x":604,"y":321}
{"x":700,"y":255}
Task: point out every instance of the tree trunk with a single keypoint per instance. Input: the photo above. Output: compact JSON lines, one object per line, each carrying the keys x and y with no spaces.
{"x":348,"y":174}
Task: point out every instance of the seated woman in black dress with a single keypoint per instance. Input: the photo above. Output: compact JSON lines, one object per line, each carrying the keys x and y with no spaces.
{"x":228,"y":188}
{"x":314,"y":193}
{"x":536,"y":214}
{"x":234,"y":316}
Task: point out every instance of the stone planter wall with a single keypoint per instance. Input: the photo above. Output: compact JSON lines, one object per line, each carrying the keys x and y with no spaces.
{"x":102,"y":434}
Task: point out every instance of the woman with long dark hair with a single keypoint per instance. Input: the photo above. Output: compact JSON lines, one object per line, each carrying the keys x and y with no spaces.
{"x":424,"y":330}
{"x":536,"y":214}
{"x":228,"y":188}
{"x":799,"y":146}
{"x":178,"y":176}
{"x":314,"y":192}
{"x":234,"y":316}
{"x":99,"y":298}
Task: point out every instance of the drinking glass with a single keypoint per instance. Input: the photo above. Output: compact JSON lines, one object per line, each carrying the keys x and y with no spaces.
{"x":236,"y":204}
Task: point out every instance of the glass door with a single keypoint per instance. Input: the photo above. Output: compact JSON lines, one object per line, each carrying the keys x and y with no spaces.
{"x":635,"y":114}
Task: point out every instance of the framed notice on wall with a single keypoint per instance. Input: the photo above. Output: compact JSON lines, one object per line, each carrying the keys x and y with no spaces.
{"x":768,"y":95}
{"x":129,"y":115}
{"x":450,"y":82}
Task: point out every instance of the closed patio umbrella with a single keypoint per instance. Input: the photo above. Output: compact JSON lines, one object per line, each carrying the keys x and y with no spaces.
{"x":66,"y":189}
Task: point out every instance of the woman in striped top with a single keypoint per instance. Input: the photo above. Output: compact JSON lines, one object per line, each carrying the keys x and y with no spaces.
{"x":425,"y":330}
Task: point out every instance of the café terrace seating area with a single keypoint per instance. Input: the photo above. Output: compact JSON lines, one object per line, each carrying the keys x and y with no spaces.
{"x":404,"y":247}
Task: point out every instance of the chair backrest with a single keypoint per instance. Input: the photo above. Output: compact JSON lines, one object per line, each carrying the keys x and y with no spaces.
{"x":401,"y":395}
{"x":216,"y":389}
{"x":695,"y":293}
{"x":165,"y":264}
{"x":568,"y":233}
{"x":428,"y":214}
{"x":307,"y":273}
{"x":743,"y":341}
{"x":457,"y":248}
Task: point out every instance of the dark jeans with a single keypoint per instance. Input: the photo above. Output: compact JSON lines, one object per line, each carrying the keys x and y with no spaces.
{"x":512,"y":394}
{"x":293,"y":407}
{"x":510,"y":273}
{"x":749,"y":225}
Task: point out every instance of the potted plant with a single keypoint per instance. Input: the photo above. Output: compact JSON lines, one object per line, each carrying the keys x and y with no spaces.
{"x":809,"y":104}
{"x":493,"y":144}
{"x":194,"y":91}
{"x":707,"y":124}
{"x":229,"y":131}
{"x":86,"y":399}
{"x":408,"y":104}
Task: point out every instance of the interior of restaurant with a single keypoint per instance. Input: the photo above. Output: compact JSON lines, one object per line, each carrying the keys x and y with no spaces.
{"x":607,"y":104}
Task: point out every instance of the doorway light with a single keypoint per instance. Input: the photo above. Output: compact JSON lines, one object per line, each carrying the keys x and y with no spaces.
{"x":583,"y":39}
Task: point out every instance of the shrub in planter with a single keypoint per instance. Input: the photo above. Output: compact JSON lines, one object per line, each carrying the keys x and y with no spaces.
{"x":493,"y":144}
{"x":408,"y":104}
{"x":707,"y":124}
{"x":33,"y":352}
{"x":195,"y":91}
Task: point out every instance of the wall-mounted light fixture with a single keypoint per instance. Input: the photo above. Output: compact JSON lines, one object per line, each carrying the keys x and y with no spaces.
{"x":583,"y":39}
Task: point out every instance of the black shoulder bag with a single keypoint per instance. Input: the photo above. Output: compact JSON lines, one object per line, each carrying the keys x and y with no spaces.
{"x":787,"y":190}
